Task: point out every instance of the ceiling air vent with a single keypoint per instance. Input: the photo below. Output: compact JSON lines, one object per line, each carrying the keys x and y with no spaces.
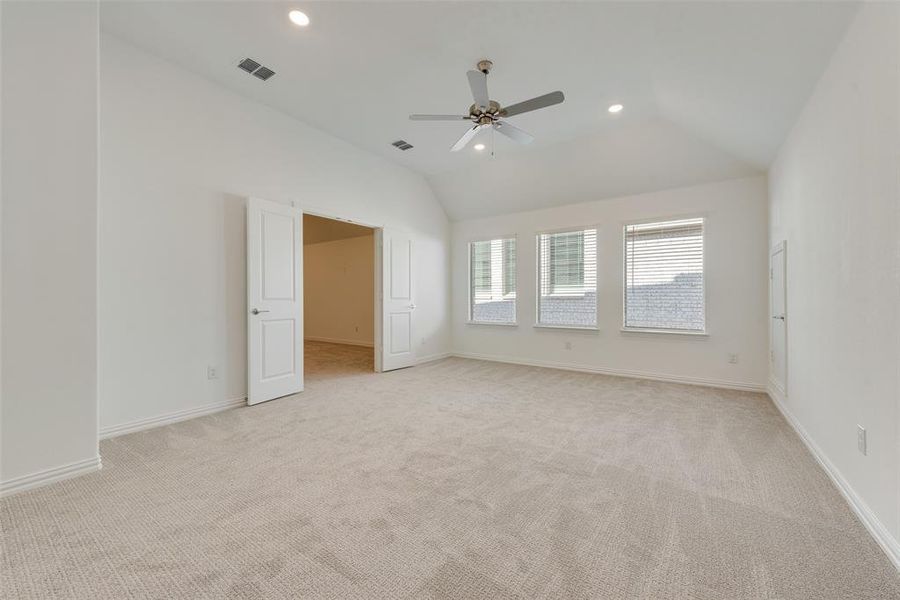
{"x":263,"y":73}
{"x":402,"y":145}
{"x":249,"y":65}
{"x":254,"y":68}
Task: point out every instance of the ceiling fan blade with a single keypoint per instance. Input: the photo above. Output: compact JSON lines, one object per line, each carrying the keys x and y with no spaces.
{"x":438,"y":117}
{"x":466,"y":138}
{"x":533,"y":104}
{"x":513,"y":133}
{"x":478,"y":83}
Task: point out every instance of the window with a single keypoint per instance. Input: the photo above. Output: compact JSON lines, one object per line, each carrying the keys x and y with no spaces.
{"x":509,"y":267}
{"x":566,"y":254}
{"x":664,"y":276}
{"x":567,"y":278}
{"x":492,"y":277}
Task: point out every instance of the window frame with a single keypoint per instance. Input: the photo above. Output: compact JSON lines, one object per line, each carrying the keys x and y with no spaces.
{"x":537,"y":278}
{"x":696,"y":333}
{"x":470,"y":293}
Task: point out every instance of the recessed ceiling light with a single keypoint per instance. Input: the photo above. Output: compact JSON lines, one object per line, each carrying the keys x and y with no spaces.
{"x":615,"y":108}
{"x":298,"y":18}
{"x":479,"y":147}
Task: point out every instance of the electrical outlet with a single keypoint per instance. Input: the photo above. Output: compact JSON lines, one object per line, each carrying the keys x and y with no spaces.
{"x":861,"y":439}
{"x":733,"y":358}
{"x":568,"y":345}
{"x":212,"y":372}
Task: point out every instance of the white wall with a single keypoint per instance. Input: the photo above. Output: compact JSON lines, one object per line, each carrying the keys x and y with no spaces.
{"x":835,"y":198}
{"x":736,"y":279}
{"x":178,"y":156}
{"x":49,"y":254}
{"x":339,"y":291}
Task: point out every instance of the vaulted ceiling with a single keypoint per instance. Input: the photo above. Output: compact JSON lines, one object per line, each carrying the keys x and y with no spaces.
{"x":710,"y":89}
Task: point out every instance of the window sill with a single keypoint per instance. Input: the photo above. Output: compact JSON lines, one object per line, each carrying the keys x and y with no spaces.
{"x":702,"y":334}
{"x":575,"y":327}
{"x":492,"y":323}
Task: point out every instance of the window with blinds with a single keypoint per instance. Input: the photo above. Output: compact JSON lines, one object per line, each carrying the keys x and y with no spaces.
{"x":664,"y":276}
{"x":567,"y":278}
{"x":492,"y":281}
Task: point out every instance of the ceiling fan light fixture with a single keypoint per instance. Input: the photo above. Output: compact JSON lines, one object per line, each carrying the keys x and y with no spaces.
{"x":299,"y":18}
{"x":615,"y":108}
{"x":489,"y":114}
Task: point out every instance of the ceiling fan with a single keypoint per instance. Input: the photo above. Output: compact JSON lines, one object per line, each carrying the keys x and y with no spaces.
{"x":488,"y":114}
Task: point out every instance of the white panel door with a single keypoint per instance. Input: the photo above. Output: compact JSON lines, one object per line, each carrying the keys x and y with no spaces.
{"x":778,"y":288}
{"x":274,"y":301}
{"x":397,"y":319}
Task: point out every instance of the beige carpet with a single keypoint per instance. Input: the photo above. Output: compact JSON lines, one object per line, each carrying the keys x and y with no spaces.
{"x":455,"y":479}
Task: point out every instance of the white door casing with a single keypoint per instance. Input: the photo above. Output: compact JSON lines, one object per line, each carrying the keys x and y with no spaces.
{"x":778,"y":317}
{"x":274,"y":300}
{"x":394,"y":340}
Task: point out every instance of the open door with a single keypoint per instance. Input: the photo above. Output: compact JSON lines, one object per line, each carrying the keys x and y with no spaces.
{"x":394,"y":348}
{"x":778,"y":332}
{"x":274,"y":301}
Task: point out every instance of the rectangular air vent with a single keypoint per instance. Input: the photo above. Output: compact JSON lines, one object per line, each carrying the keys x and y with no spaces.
{"x":254,"y":68}
{"x":249,"y":65}
{"x":263,"y":73}
{"x":402,"y":145}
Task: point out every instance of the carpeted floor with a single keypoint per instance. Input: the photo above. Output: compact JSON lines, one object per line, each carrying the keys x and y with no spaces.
{"x":455,"y":479}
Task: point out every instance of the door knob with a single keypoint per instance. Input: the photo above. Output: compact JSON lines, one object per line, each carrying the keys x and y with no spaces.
{"x":778,"y":317}
{"x":256,"y":311}
{"x":411,"y":306}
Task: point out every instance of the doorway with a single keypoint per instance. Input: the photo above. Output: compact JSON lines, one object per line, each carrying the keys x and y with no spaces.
{"x":778,"y":321}
{"x":339,"y":302}
{"x":358,"y":286}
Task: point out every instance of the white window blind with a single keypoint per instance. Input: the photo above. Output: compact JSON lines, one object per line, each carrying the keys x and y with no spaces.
{"x":492,"y":281}
{"x":567,"y":278}
{"x":664,"y":275}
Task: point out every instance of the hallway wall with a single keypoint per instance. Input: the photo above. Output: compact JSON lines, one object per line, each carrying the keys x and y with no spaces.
{"x":339,"y":291}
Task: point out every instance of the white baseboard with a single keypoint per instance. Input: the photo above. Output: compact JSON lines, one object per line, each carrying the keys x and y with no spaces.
{"x":329,"y":340}
{"x":876,"y":528}
{"x":716,"y":383}
{"x":168,"y":418}
{"x":432,"y":357}
{"x":41,"y":478}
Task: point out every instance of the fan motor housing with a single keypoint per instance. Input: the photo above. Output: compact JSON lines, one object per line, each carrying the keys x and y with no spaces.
{"x":485,"y":117}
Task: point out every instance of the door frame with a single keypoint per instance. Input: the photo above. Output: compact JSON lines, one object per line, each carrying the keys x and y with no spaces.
{"x":780,"y":247}
{"x":377,"y":230}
